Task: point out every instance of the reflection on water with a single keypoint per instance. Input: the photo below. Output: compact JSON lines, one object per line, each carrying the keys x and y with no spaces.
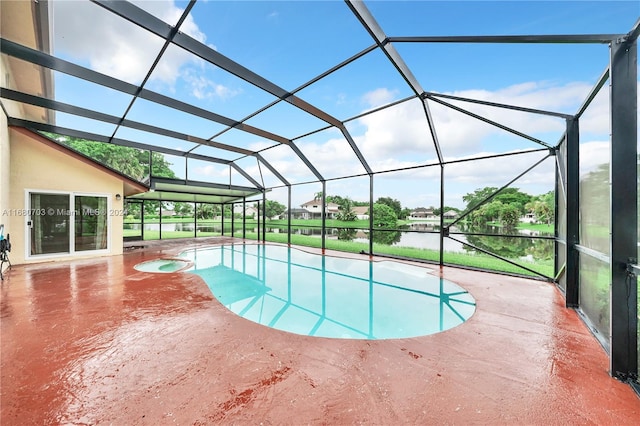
{"x":316,"y":295}
{"x":417,"y":235}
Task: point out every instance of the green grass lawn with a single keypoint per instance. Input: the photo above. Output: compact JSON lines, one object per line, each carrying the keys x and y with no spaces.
{"x":473,"y":260}
{"x":541,"y":227}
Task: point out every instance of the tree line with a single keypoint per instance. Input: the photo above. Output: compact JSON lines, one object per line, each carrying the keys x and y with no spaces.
{"x":508,"y":206}
{"x":386,"y":210}
{"x":505,"y":207}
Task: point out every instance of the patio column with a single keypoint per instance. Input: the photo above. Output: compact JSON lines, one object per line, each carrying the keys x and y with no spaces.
{"x":370,"y":214}
{"x":572,"y":212}
{"x":323,"y":232}
{"x":264,"y":216}
{"x":289,"y":214}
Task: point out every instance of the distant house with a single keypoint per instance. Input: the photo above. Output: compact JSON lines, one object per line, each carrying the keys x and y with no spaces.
{"x":529,"y":218}
{"x":314,"y":207}
{"x":249,"y":211}
{"x":297,"y":214}
{"x":168,"y":212}
{"x":422,"y":213}
{"x":362,"y":212}
{"x":451,"y":214}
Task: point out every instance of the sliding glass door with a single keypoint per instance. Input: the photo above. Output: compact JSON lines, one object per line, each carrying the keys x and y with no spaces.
{"x":90,"y":220}
{"x":49,"y":223}
{"x":67,"y":223}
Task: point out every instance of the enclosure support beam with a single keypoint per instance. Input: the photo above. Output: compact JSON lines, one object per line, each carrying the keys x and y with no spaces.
{"x":35,"y":126}
{"x":264,"y":216}
{"x":306,"y":161}
{"x":233,"y":218}
{"x":195,"y":219}
{"x":244,"y":217}
{"x":160,"y":221}
{"x":288,"y":214}
{"x":370,"y":215}
{"x":257,"y":221}
{"x":222,"y":219}
{"x":488,"y":121}
{"x":556,"y":244}
{"x":624,"y":208}
{"x":442,"y":229}
{"x":324,"y":215}
{"x":572,"y":168}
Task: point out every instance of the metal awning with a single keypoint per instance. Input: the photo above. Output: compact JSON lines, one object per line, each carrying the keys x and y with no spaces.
{"x":189,"y":191}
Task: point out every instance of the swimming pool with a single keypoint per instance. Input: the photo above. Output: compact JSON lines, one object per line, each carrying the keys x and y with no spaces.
{"x":310,"y":294}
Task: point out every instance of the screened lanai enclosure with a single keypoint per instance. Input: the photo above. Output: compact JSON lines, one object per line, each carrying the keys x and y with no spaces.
{"x":401,"y":129}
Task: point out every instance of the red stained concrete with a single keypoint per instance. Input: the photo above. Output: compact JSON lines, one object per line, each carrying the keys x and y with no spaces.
{"x":97,"y":342}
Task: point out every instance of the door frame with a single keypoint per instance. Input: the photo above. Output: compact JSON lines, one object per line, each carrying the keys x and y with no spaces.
{"x":72,"y":231}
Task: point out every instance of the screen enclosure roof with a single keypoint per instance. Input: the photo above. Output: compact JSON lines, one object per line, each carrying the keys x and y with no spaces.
{"x":244,"y":96}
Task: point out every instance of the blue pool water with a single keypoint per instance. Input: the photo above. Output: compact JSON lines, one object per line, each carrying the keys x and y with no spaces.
{"x":310,"y":294}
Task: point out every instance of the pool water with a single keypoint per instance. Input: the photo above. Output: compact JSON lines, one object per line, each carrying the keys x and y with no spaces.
{"x":315,"y":295}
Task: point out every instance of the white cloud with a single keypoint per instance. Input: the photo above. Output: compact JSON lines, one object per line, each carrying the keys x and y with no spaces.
{"x":263,"y":144}
{"x":394,"y":132}
{"x":593,"y":154}
{"x":402,"y":130}
{"x":596,"y":117}
{"x":204,"y":88}
{"x":540,"y":95}
{"x":332,"y":158}
{"x":170,"y":13}
{"x":103,"y":41}
{"x":499,"y":171}
{"x":106,"y":43}
{"x":285,"y":161}
{"x":379,"y":97}
{"x":212,"y":171}
{"x":398,"y":137}
{"x":495,"y":171}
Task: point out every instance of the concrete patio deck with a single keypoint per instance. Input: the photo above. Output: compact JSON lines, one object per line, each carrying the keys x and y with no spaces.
{"x":97,"y":342}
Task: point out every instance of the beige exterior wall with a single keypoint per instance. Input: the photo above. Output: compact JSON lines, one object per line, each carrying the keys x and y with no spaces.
{"x":4,"y":165}
{"x":5,"y":158}
{"x":38,"y":167}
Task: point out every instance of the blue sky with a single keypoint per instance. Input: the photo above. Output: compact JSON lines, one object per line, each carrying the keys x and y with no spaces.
{"x":291,"y":43}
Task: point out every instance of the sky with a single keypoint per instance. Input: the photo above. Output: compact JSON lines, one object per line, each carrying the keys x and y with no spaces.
{"x":291,"y":43}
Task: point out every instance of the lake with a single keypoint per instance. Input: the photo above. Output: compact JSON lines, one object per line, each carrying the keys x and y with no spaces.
{"x":518,"y":244}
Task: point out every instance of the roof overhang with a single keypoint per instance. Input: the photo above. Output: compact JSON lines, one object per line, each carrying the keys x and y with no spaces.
{"x":188,"y":191}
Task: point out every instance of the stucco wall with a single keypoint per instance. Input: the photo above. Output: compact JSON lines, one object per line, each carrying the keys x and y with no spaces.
{"x":4,"y":166}
{"x":5,"y":158}
{"x":38,"y":167}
